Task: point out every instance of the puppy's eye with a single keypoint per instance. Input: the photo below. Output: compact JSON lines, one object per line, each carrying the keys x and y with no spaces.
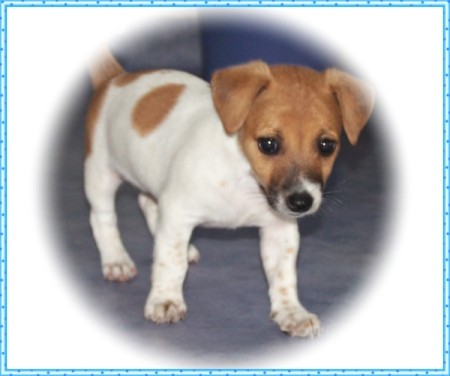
{"x":327,"y":146}
{"x":269,"y":145}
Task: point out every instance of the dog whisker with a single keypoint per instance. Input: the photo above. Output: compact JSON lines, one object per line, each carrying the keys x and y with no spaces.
{"x":330,"y":204}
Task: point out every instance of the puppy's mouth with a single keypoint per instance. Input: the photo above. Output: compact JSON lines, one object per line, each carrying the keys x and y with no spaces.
{"x":298,"y":201}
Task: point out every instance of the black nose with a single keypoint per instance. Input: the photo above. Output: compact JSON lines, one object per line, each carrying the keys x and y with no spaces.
{"x":299,"y":202}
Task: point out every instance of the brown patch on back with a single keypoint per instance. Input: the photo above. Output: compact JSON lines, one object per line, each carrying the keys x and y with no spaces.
{"x":154,"y":106}
{"x":93,"y":115}
{"x":127,"y":78}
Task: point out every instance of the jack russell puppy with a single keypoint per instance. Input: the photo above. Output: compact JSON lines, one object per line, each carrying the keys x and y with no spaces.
{"x":253,"y":148}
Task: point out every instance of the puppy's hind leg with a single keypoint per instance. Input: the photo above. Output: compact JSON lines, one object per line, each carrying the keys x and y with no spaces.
{"x":150,"y":209}
{"x":101,"y":184}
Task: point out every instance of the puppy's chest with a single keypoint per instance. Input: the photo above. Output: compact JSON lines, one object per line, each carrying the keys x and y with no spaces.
{"x":235,"y":203}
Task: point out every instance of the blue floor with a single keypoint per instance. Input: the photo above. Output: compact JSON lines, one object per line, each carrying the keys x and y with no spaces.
{"x":226,"y":293}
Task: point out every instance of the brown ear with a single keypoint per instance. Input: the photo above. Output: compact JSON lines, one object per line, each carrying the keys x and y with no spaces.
{"x":356,"y":101}
{"x":234,"y":90}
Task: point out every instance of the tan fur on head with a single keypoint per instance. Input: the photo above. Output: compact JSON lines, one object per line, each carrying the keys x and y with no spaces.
{"x":296,"y":105}
{"x":356,"y":101}
{"x":234,"y":90}
{"x":298,"y":109}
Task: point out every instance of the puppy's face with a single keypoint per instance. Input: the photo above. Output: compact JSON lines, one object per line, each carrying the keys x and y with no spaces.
{"x":289,"y":121}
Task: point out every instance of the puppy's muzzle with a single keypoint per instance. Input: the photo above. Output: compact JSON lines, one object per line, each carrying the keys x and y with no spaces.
{"x":302,"y":198}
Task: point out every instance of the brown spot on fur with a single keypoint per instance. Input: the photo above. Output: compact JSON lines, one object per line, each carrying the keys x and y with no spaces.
{"x":283,"y":291}
{"x":93,"y":114}
{"x":154,"y":106}
{"x":291,"y":250}
{"x":127,"y":78}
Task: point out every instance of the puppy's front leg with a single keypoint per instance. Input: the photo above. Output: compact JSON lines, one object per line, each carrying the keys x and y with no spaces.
{"x":279,"y":250}
{"x":165,"y":303}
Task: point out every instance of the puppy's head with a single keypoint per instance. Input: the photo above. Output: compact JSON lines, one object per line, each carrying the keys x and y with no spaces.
{"x":289,"y":120}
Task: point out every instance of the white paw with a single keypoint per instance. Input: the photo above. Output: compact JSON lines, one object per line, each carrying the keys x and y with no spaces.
{"x":119,"y":271}
{"x":165,"y":311}
{"x":193,"y":254}
{"x":297,"y":322}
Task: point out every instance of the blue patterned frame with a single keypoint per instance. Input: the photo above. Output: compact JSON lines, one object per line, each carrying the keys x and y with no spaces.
{"x":5,"y":5}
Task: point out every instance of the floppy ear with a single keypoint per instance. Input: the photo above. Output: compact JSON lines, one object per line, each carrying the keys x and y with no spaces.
{"x":356,"y":101}
{"x":234,"y":90}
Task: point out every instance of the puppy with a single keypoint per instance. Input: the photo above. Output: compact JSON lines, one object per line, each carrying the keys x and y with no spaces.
{"x":253,"y":148}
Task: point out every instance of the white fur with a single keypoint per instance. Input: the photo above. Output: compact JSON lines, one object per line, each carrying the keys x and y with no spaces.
{"x":198,"y":175}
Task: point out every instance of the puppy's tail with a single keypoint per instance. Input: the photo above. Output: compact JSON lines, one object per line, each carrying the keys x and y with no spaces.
{"x":104,"y":67}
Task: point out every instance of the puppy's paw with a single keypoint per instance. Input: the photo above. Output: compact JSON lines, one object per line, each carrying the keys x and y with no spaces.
{"x":297,"y":322}
{"x":119,"y":271}
{"x":193,"y":254}
{"x":165,"y":311}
